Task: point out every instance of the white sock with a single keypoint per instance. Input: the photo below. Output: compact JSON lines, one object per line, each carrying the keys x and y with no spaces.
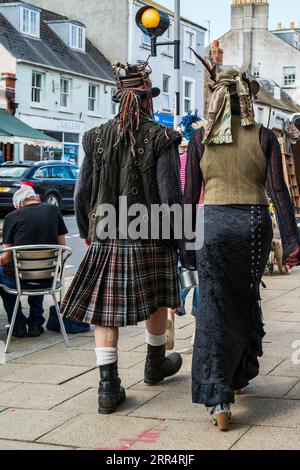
{"x":156,"y":340}
{"x":106,"y":356}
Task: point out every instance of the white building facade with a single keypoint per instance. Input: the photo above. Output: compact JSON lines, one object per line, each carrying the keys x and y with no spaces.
{"x":63,"y":84}
{"x":270,"y":55}
{"x":112,"y":28}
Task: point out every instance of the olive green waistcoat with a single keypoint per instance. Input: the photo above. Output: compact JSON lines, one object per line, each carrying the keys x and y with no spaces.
{"x":236,"y":173}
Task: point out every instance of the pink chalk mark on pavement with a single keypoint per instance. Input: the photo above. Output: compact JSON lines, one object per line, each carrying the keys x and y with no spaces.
{"x":147,"y":437}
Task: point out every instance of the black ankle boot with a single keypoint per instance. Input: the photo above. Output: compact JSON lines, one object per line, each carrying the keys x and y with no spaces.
{"x":111,"y":392}
{"x":158,"y":366}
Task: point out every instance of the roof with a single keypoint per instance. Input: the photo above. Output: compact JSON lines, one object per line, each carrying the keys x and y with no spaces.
{"x":266,"y":96}
{"x":12,"y":131}
{"x":170,"y":12}
{"x":51,"y":51}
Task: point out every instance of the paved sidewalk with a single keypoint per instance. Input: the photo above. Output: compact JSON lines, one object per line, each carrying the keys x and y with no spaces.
{"x":48,"y":395}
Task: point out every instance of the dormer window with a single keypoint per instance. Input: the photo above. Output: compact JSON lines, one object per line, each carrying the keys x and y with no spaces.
{"x":30,"y":22}
{"x":71,"y":32}
{"x":77,"y":37}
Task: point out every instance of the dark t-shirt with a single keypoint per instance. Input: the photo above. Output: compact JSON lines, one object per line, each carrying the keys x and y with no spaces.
{"x":35,"y":224}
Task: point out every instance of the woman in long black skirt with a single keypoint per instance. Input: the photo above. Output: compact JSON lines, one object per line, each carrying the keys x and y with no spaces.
{"x":234,"y":158}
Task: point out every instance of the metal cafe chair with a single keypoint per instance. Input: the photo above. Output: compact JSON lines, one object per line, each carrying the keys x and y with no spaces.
{"x":34,"y":263}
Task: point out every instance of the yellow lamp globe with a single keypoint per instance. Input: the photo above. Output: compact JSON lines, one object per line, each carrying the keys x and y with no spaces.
{"x":150,"y":18}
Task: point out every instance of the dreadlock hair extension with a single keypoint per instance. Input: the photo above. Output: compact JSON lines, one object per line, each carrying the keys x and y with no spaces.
{"x":128,"y":120}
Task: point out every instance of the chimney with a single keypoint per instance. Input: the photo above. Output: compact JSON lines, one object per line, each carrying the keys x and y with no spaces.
{"x":217,"y":53}
{"x":249,"y":14}
{"x":292,"y":25}
{"x":279,"y":26}
{"x":248,"y":17}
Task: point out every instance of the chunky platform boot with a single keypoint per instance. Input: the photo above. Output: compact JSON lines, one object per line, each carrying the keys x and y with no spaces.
{"x":111,"y":393}
{"x":158,"y":366}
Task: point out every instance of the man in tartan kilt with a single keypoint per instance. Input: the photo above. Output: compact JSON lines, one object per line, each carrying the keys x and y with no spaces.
{"x":123,"y":279}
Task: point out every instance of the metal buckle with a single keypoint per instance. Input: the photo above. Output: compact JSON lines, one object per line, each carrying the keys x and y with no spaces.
{"x":141,"y":151}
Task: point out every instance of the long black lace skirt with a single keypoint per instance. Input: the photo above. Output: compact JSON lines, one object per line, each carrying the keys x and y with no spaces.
{"x":229,"y":332}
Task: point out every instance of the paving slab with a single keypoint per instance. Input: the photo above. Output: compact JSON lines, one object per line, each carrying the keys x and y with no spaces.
{"x":269,"y":386}
{"x":292,"y":317}
{"x":285,"y":283}
{"x":87,"y":402}
{"x":95,"y":431}
{"x":174,"y":405}
{"x":269,"y":438}
{"x":58,"y":356}
{"x":267,"y":412}
{"x":267,"y":364}
{"x":269,"y":294}
{"x":38,"y":396}
{"x":273,"y":315}
{"x":287,"y":369}
{"x":46,"y":374}
{"x":21,"y":445}
{"x":294,"y":393}
{"x":182,"y":435}
{"x":8,"y":370}
{"x":4,"y":386}
{"x":282,"y":327}
{"x":181,"y":383}
{"x":29,"y":425}
{"x":293,"y":307}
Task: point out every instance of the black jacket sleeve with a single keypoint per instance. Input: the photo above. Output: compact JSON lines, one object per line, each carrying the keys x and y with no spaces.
{"x":168,"y":176}
{"x":83,"y":191}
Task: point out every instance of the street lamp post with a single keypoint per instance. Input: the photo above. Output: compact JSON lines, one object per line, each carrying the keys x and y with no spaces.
{"x":155,"y":23}
{"x":177,"y":54}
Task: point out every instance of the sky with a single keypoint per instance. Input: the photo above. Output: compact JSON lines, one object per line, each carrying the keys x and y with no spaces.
{"x":218,"y":13}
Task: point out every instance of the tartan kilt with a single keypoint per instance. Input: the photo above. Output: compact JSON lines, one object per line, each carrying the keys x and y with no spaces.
{"x":120,"y":283}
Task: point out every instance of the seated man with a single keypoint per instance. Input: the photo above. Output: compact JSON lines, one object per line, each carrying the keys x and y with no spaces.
{"x":34,"y":223}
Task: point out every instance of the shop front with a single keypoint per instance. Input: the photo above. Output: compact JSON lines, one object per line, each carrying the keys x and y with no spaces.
{"x":16,"y":135}
{"x":67,"y":133}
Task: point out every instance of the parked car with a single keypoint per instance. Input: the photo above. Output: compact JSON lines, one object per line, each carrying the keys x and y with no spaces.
{"x":53,"y":181}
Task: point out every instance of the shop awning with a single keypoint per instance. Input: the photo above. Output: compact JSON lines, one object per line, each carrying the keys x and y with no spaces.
{"x":14,"y":131}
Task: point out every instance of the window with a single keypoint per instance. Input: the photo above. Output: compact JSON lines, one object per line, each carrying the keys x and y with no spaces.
{"x":77,"y":37}
{"x":30,"y":22}
{"x":189,"y":41}
{"x":75,"y":171}
{"x":71,"y":147}
{"x":289,"y":76}
{"x":166,"y":93}
{"x":37,"y":87}
{"x":42,"y":173}
{"x":59,"y":172}
{"x":93,"y":97}
{"x":65,"y":93}
{"x":13,"y":172}
{"x":189,"y":95}
{"x":70,"y":151}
